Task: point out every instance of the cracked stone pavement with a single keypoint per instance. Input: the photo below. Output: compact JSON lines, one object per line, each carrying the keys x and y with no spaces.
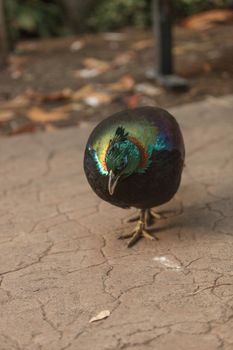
{"x":61,"y":262}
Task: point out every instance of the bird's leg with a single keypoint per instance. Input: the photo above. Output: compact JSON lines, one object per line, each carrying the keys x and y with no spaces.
{"x":150,"y":215}
{"x":139,"y":231}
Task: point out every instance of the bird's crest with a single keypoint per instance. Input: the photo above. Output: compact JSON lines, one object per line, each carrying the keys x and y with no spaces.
{"x":120,"y":135}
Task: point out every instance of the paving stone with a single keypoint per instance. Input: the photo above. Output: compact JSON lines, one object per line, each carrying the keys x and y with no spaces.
{"x":61,"y":262}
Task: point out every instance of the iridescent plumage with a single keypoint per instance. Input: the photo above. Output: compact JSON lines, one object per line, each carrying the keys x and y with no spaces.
{"x":141,"y":150}
{"x":145,"y":135}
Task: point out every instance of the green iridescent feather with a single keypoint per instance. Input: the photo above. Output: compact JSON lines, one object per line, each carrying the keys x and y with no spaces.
{"x":143,"y":131}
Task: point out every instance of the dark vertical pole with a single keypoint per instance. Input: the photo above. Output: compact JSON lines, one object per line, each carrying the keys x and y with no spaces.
{"x":162,"y":15}
{"x":3,"y":35}
{"x":162,"y":22}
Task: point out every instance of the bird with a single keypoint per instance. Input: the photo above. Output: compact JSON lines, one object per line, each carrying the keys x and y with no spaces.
{"x":134,"y":158}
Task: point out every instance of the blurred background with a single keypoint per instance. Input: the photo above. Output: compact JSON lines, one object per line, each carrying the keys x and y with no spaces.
{"x":68,"y":62}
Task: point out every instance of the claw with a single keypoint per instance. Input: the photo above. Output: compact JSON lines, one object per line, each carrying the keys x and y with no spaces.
{"x":148,"y":236}
{"x":137,"y":235}
{"x":155,"y":215}
{"x":149,"y":216}
{"x":126,"y":235}
{"x":140,"y":230}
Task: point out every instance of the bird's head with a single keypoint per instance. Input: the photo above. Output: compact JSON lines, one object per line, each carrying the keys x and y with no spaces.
{"x":122,"y":158}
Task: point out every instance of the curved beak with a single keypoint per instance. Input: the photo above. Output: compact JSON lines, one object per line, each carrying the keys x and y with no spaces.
{"x":112,"y":182}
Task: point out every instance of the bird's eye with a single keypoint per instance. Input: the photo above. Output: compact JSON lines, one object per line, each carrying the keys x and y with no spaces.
{"x":123,"y":163}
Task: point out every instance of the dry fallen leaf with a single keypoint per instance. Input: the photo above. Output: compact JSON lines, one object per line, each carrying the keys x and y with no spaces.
{"x":191,"y":46}
{"x":103,"y":314}
{"x":168,"y":262}
{"x":101,"y":66}
{"x":5,"y":116}
{"x":123,"y":58}
{"x":148,"y":89}
{"x":143,"y":44}
{"x":93,"y":68}
{"x":76,"y":106}
{"x":132,"y":101}
{"x":40,"y":115}
{"x":91,"y":97}
{"x":50,"y":127}
{"x":114,"y":36}
{"x":16,"y":73}
{"x":97,"y":98}
{"x":126,"y":83}
{"x":16,"y":65}
{"x":206,"y":66}
{"x":76,"y":45}
{"x":19,"y":101}
{"x":63,"y":109}
{"x":205,"y":19}
{"x":87,"y":73}
{"x":64,"y":94}
{"x":17,"y":60}
{"x":83,"y":92}
{"x":18,"y":128}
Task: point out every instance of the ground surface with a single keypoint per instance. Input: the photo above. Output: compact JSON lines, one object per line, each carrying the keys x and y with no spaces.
{"x":61,"y":262}
{"x":40,"y":72}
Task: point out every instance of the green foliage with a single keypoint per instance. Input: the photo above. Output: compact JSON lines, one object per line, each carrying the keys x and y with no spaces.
{"x":190,"y":7}
{"x":33,"y":18}
{"x":42,"y":18}
{"x":112,"y":14}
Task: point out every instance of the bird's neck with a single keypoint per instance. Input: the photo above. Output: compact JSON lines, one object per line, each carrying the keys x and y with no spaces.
{"x":144,"y":157}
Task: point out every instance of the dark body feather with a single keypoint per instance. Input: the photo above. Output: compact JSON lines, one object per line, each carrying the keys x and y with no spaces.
{"x":160,"y":181}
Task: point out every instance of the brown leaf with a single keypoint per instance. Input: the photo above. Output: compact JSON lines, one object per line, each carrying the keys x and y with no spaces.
{"x":83,"y":92}
{"x":206,"y":19}
{"x":126,"y":83}
{"x":123,"y":58}
{"x":87,"y":73}
{"x":103,"y":314}
{"x":97,"y":98}
{"x":207,"y":67}
{"x":64,"y":94}
{"x":6,"y":115}
{"x":63,"y":109}
{"x":50,"y":127}
{"x":16,"y":65}
{"x":16,"y":73}
{"x":188,"y":46}
{"x":132,"y":101}
{"x":94,"y":63}
{"x":148,"y":89}
{"x":114,"y":36}
{"x":17,"y":60}
{"x":40,"y":115}
{"x":22,"y":129}
{"x":143,"y":44}
{"x":18,"y":102}
{"x":76,"y":45}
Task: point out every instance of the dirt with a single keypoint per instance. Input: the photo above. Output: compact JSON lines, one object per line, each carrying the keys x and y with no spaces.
{"x":202,"y":56}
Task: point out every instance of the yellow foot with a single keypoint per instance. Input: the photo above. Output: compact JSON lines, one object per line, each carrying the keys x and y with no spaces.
{"x":138,"y":233}
{"x":150,"y":215}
